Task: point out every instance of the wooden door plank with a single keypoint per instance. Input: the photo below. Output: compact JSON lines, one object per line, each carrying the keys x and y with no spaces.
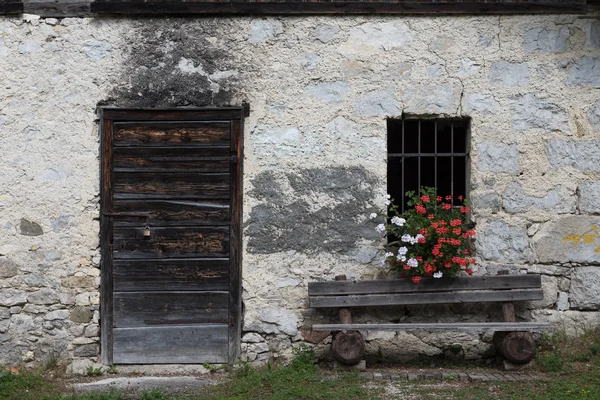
{"x":235,"y":249}
{"x":127,"y":185}
{"x":445,"y":327}
{"x":223,"y":114}
{"x":173,"y":212}
{"x":425,"y":298}
{"x":187,"y":134}
{"x":523,"y":281}
{"x":132,"y":309}
{"x":106,"y":230}
{"x":166,"y":242}
{"x":178,"y":344}
{"x":171,"y":159}
{"x":181,"y":274}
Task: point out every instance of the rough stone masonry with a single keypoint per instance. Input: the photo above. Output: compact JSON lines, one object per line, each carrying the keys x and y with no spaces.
{"x":320,"y":90}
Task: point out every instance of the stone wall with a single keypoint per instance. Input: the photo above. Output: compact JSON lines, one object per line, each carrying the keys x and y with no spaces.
{"x":320,"y":91}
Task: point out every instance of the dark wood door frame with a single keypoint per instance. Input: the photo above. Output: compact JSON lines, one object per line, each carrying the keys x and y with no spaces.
{"x":107,"y":116}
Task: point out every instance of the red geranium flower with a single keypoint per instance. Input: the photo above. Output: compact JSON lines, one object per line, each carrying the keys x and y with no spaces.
{"x":416,"y":279}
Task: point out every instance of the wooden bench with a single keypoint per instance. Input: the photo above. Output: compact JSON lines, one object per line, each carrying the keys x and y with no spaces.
{"x":511,"y":338}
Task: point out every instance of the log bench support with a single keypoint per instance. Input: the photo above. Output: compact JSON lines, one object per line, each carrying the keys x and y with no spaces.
{"x":511,"y":339}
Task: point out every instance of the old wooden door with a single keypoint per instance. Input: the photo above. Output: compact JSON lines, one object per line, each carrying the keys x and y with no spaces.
{"x":172,"y":296}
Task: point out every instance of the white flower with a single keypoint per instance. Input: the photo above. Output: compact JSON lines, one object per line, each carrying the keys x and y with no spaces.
{"x":438,"y":274}
{"x":406,"y":238}
{"x":388,"y":196}
{"x":413,"y":263}
{"x":419,"y":236}
{"x":388,"y":254}
{"x":398,"y":221}
{"x":380,"y":228}
{"x":402,"y":250}
{"x":387,"y":202}
{"x":373,"y":215}
{"x":400,"y":257}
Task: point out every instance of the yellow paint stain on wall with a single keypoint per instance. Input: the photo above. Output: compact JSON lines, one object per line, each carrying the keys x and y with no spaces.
{"x":589,"y":238}
{"x":586,"y":238}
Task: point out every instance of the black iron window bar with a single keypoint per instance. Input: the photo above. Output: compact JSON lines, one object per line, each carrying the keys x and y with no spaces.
{"x":452,"y":154}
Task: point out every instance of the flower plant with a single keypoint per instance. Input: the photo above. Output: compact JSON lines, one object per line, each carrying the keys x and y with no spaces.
{"x":432,"y":235}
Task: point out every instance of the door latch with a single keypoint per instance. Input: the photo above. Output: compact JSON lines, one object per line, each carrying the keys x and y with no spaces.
{"x":134,"y":214}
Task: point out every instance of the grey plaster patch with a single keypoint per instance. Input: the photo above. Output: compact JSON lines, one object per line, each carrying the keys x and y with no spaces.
{"x":263,"y":30}
{"x":589,"y":200}
{"x":326,"y":33}
{"x":289,"y":221}
{"x":529,"y":111}
{"x":378,"y":103}
{"x":585,"y":288}
{"x":545,"y":40}
{"x":515,"y":200}
{"x":498,"y":157}
{"x":431,"y":99}
{"x":593,"y":34}
{"x":183,"y":68}
{"x":593,"y":116}
{"x":572,"y":238}
{"x":481,"y":102}
{"x":508,"y":74}
{"x":583,"y":155}
{"x":585,"y":71}
{"x":30,"y":228}
{"x":328,"y":92}
{"x":499,"y":241}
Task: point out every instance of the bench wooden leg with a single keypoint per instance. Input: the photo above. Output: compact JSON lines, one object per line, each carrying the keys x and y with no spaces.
{"x":516,"y":347}
{"x":347,"y":347}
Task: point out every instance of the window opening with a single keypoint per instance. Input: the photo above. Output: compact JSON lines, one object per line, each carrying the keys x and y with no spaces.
{"x":427,"y":152}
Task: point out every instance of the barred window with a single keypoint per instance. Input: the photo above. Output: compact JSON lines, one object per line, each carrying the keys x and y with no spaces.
{"x":427,"y":152}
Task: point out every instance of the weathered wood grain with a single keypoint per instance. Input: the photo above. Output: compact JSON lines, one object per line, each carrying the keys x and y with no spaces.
{"x":340,"y":7}
{"x":106,"y":228}
{"x":173,"y":212}
{"x":133,"y":309}
{"x":172,"y":133}
{"x":180,"y":274}
{"x":426,"y":285}
{"x":222,"y":114}
{"x":182,"y":242}
{"x":462,"y":326}
{"x":60,"y":8}
{"x":129,"y":185}
{"x":169,"y":159}
{"x":235,"y":250}
{"x":11,"y":7}
{"x":425,"y":298}
{"x":177,"y":344}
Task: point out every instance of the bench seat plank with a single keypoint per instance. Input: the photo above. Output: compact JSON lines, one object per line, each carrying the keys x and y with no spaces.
{"x":524,"y":281}
{"x":456,"y":326}
{"x":426,"y":298}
